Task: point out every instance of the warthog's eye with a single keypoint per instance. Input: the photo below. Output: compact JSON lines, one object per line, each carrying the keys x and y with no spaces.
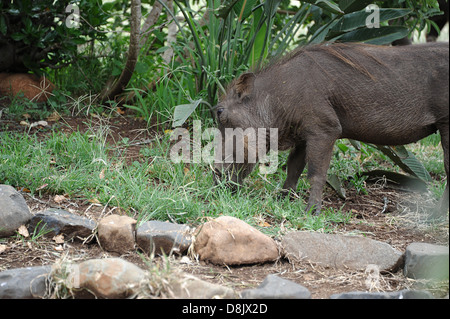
{"x":219,"y":111}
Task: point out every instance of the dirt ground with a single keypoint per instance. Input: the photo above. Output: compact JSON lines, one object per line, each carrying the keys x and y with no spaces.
{"x":384,"y":214}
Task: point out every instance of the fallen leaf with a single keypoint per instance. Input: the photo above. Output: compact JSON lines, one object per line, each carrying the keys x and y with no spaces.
{"x":94,"y":201}
{"x":42,"y":186}
{"x":54,"y":117}
{"x":59,"y":239}
{"x":59,"y":199}
{"x":264,"y":224}
{"x":2,"y":248}
{"x":23,"y":231}
{"x":39,"y":123}
{"x":59,"y":248}
{"x":186,"y":170}
{"x":308,"y":277}
{"x":102,"y":174}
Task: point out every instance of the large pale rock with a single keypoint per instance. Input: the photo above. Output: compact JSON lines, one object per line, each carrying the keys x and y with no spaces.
{"x":426,"y":261}
{"x":228,"y":240}
{"x":14,"y":211}
{"x":110,"y":278}
{"x":340,"y":251}
{"x":116,"y":233}
{"x":54,"y":221}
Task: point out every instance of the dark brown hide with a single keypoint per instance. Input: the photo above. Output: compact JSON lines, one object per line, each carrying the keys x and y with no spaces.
{"x":318,"y":94}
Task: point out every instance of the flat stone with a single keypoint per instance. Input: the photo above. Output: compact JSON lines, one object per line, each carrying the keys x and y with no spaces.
{"x":402,"y":294}
{"x":340,"y":251}
{"x":230,"y":241}
{"x":14,"y":211}
{"x":163,"y":238}
{"x":426,"y":261}
{"x":109,"y":278}
{"x":274,"y":287}
{"x":24,"y":283}
{"x":55,"y":221}
{"x":116,"y":233}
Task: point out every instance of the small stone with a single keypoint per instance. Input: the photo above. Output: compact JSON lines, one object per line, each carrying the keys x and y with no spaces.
{"x":14,"y":211}
{"x":163,"y":238}
{"x":274,"y":287}
{"x":402,"y":294}
{"x":116,"y":233}
{"x":230,"y":241}
{"x":426,"y":261}
{"x":24,"y":283}
{"x":340,"y":251}
{"x":110,"y":278}
{"x":53,"y":222}
{"x":190,"y":287}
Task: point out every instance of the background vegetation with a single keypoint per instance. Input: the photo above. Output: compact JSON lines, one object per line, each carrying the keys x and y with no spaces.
{"x":152,"y":56}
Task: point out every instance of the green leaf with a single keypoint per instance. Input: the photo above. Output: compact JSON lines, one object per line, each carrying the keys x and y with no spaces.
{"x":258,"y":44}
{"x":353,"y":5}
{"x":334,"y":181}
{"x":358,"y":19}
{"x":401,"y":181}
{"x":18,"y":36}
{"x":327,"y":5}
{"x":224,"y":10}
{"x":183,"y":111}
{"x":406,"y":161}
{"x":3,"y":27}
{"x":141,"y":68}
{"x":378,"y":36}
{"x":243,"y":8}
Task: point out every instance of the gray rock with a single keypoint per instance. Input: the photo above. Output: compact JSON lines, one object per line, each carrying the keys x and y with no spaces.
{"x":58,"y":221}
{"x":402,"y":294}
{"x":340,"y":251}
{"x":274,"y":287}
{"x":426,"y":261}
{"x":24,"y":283}
{"x":14,"y":211}
{"x":163,"y":237}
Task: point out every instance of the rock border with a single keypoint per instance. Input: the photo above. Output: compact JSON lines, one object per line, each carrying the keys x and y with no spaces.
{"x":117,"y":278}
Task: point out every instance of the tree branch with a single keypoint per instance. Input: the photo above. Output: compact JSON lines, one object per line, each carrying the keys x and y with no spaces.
{"x":133,"y":53}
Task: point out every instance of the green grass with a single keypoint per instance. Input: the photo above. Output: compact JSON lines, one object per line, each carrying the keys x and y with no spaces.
{"x":84,"y":167}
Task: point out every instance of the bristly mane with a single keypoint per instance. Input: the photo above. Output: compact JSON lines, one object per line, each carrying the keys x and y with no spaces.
{"x":335,"y":49}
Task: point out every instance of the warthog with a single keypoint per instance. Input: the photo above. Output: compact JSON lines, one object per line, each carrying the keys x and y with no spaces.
{"x":318,"y":94}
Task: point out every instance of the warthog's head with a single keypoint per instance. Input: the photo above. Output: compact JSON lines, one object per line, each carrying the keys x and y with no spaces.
{"x":244,"y":137}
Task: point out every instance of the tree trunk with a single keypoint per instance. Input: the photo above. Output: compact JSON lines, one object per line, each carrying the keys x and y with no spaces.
{"x":109,"y":93}
{"x":171,"y":35}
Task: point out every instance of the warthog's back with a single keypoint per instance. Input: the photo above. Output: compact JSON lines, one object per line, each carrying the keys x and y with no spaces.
{"x":384,"y":95}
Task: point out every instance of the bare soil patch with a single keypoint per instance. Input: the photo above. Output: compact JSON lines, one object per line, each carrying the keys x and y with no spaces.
{"x":384,"y":214}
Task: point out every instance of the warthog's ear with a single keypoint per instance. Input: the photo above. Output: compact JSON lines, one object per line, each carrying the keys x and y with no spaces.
{"x":245,"y":84}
